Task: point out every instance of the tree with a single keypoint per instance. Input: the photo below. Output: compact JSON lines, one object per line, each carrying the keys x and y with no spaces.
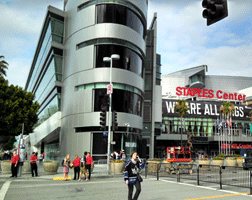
{"x":226,"y":110}
{"x":17,"y":106}
{"x":181,"y":107}
{"x":3,"y":66}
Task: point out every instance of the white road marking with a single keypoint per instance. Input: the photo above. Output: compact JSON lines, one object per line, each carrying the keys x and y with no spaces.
{"x":4,"y":189}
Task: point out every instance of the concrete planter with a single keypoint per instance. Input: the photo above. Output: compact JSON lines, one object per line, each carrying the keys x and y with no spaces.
{"x":231,"y":163}
{"x":117,"y":168}
{"x":239,"y":162}
{"x":153,"y":166}
{"x":167,"y":166}
{"x":26,"y":168}
{"x":51,"y":167}
{"x":218,"y":162}
{"x":6,"y":167}
{"x":204,"y":162}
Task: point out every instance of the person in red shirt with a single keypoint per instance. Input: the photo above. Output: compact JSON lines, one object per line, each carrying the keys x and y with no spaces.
{"x":76,"y":164}
{"x":34,"y":166}
{"x":89,"y":165}
{"x":14,"y":164}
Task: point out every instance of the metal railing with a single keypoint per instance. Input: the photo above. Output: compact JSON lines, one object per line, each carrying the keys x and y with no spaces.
{"x":221,"y":175}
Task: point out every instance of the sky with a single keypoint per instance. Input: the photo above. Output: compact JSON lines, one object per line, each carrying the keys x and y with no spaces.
{"x":183,"y":38}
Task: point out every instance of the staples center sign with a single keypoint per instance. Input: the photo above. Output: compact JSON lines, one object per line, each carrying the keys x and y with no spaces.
{"x":237,"y":146}
{"x":209,"y":93}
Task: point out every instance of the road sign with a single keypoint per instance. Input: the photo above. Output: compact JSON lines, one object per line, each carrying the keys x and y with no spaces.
{"x":110,"y":89}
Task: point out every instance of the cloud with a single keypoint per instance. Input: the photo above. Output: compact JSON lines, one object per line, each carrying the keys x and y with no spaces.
{"x":20,"y":30}
{"x":185,"y":41}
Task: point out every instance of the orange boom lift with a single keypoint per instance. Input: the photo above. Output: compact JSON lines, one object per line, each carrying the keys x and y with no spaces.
{"x":178,"y":154}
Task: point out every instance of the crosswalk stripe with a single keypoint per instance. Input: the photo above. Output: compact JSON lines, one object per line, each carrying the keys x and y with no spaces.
{"x":4,"y":189}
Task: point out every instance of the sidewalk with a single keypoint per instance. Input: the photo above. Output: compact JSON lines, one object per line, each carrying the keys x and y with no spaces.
{"x":99,"y":172}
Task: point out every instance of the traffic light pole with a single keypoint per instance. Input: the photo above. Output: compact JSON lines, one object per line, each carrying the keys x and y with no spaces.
{"x":109,"y":121}
{"x":106,"y":59}
{"x":109,"y":115}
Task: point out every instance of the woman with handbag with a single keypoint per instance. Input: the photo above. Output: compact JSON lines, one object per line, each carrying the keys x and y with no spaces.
{"x":66,"y":167}
{"x":131,"y":175}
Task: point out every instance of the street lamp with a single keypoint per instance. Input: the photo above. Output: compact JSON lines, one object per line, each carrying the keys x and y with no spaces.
{"x":110,"y":59}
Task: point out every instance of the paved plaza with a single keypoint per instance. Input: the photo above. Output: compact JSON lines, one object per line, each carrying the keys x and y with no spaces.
{"x":106,"y":187}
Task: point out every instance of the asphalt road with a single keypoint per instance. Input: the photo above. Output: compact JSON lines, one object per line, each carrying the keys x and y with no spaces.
{"x":115,"y":189}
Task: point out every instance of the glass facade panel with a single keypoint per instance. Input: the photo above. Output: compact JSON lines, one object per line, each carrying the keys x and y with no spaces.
{"x":104,"y":85}
{"x":57,"y":30}
{"x":54,"y":32}
{"x":49,"y":110}
{"x":129,"y":60}
{"x":45,"y":47}
{"x":110,"y":41}
{"x":122,"y":101}
{"x":46,"y":83}
{"x":111,"y":13}
{"x":196,"y":78}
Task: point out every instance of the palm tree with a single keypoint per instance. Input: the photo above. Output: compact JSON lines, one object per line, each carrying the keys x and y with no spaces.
{"x":181,"y":107}
{"x":3,"y":66}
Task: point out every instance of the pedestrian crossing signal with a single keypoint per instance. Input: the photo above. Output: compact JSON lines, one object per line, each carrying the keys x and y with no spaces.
{"x":114,"y":121}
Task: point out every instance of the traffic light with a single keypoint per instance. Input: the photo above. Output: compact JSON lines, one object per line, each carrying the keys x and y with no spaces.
{"x":215,"y":10}
{"x":114,"y":121}
{"x":103,"y":118}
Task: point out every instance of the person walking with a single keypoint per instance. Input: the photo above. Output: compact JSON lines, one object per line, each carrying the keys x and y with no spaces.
{"x":89,"y":165}
{"x":66,"y":167}
{"x":132,"y":169}
{"x":14,"y":164}
{"x":83,"y":167}
{"x":34,"y":166}
{"x":76,"y":164}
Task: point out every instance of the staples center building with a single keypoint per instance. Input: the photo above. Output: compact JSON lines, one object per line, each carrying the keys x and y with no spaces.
{"x":205,"y":94}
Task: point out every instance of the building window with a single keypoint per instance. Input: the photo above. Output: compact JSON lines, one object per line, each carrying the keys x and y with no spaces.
{"x":52,"y":107}
{"x":104,"y":85}
{"x":122,"y":101}
{"x":54,"y":32}
{"x":111,"y":13}
{"x":129,"y":60}
{"x":196,"y":78}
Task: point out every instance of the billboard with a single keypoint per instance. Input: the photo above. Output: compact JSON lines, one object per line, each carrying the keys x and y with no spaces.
{"x":204,"y":109}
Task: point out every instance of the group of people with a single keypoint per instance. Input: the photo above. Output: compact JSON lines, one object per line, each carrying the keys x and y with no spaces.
{"x":15,"y":162}
{"x":118,"y":156}
{"x":81,"y":166}
{"x":85,"y":164}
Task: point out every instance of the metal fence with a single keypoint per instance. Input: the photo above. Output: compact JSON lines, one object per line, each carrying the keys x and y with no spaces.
{"x":221,"y":175}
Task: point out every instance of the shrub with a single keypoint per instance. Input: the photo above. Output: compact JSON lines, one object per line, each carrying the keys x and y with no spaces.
{"x":204,"y":159}
{"x":218,"y":158}
{"x":117,"y":161}
{"x":221,"y":155}
{"x":155,"y":159}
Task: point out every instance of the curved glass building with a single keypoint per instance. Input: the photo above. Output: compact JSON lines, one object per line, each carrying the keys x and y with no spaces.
{"x":70,"y":78}
{"x":94,"y":30}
